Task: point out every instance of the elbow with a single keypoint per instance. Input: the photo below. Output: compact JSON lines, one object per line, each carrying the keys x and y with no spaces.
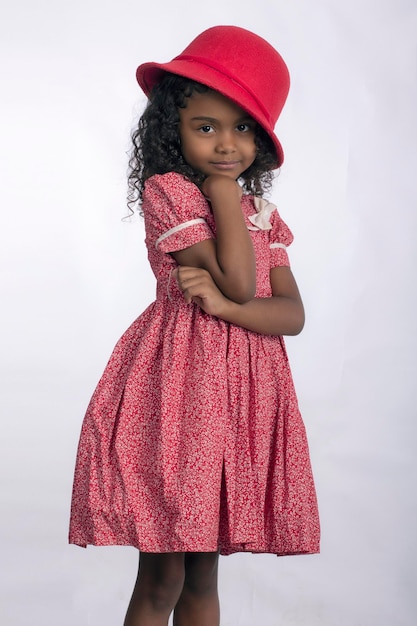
{"x":292,"y":321}
{"x":297,"y":322}
{"x":241,"y":294}
{"x":243,"y":297}
{"x":297,"y":330}
{"x":239,"y":289}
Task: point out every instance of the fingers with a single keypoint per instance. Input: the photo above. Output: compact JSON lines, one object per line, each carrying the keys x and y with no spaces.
{"x":192,"y":281}
{"x":184,"y":273}
{"x":198,"y":286}
{"x":214,"y":182}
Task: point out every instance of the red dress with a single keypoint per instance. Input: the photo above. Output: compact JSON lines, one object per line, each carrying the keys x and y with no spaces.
{"x":193,"y":440}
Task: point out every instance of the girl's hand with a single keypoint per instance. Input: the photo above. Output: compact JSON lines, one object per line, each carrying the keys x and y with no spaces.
{"x":198,"y":286}
{"x":218,"y":183}
{"x":280,"y":314}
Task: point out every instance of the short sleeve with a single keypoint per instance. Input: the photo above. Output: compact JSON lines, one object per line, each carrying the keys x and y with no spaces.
{"x":280,"y":237}
{"x":176,"y":213}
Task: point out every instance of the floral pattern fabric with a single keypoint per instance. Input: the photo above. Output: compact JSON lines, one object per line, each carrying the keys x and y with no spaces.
{"x":193,"y":440}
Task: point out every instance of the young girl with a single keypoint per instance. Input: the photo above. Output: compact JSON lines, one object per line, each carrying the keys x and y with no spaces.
{"x":193,"y":444}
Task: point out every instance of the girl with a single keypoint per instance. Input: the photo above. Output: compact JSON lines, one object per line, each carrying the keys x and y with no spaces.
{"x":193,"y":444}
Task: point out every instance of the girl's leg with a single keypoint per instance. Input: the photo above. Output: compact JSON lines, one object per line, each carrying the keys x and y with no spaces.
{"x":199,"y":600}
{"x":157,"y":590}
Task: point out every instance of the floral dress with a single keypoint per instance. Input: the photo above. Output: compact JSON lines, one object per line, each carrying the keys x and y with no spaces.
{"x":193,"y":440}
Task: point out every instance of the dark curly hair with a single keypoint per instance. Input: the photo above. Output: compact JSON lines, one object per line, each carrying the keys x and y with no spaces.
{"x":156,"y":143}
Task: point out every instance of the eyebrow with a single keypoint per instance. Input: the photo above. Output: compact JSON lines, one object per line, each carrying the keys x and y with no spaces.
{"x":206,"y":118}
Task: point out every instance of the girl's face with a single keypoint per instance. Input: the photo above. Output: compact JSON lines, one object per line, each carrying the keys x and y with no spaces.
{"x":217,"y":136}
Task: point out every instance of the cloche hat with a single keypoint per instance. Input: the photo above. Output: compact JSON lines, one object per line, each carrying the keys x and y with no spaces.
{"x":237,"y":63}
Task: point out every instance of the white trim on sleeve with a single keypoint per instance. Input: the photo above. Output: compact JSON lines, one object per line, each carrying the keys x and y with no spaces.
{"x":176,"y":229}
{"x":278,"y":245}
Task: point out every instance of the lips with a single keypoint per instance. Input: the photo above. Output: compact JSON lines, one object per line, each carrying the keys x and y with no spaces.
{"x":226,"y":165}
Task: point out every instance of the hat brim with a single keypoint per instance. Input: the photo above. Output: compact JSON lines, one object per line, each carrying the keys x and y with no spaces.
{"x":150,"y":74}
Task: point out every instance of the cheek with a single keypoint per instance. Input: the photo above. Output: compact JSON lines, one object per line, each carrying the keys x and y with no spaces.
{"x":184,"y":144}
{"x":191,"y":153}
{"x":188,"y":152}
{"x":252,"y":147}
{"x":195,"y":149}
{"x":253,"y":150}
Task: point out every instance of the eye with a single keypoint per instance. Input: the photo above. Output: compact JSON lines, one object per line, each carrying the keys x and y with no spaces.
{"x":244,"y":128}
{"x":206,"y":128}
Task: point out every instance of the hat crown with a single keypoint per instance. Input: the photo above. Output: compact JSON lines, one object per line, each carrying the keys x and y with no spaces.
{"x":238,"y":64}
{"x":248,"y":60}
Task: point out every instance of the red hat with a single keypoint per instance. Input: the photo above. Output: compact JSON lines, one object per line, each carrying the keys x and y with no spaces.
{"x":238,"y":64}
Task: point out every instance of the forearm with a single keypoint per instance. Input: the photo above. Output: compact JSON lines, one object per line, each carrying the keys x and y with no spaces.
{"x":277,"y":315}
{"x":280,"y":314}
{"x":235,"y":255}
{"x":236,"y":275}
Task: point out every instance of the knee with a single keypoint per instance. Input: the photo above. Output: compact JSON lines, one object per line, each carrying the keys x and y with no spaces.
{"x":201,"y":574}
{"x":162,"y":583}
{"x":163,"y":594}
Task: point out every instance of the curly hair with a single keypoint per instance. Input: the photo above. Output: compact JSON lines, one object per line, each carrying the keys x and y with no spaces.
{"x":156,"y":142}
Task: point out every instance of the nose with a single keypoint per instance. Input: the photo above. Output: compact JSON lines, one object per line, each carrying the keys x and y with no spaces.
{"x":226,"y":142}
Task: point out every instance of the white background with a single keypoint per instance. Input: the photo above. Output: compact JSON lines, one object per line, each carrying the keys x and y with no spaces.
{"x":74,"y":276}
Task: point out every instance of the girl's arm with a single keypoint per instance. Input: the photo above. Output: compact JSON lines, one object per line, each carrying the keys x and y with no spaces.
{"x":281,"y":314}
{"x":230,"y":259}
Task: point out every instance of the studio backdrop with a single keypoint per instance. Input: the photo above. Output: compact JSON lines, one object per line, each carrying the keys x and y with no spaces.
{"x":75,"y":275}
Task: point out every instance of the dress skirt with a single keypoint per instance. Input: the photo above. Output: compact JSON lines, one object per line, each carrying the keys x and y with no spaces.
{"x":193,"y":440}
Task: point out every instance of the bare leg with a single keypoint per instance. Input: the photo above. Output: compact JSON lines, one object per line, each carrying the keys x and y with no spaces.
{"x":157,"y":590}
{"x":199,"y":600}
